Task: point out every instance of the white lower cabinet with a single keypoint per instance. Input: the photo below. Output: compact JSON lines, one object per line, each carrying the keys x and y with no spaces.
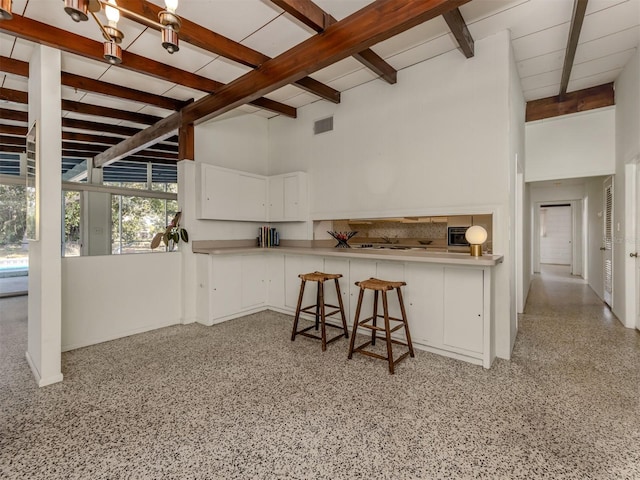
{"x":464,"y":308}
{"x":448,"y":307}
{"x":423,"y":299}
{"x":294,"y":265}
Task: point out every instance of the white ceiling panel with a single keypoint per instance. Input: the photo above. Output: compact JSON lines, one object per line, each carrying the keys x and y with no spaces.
{"x":125,"y":123}
{"x":83,"y":66}
{"x":608,"y":45}
{"x":184,"y":93}
{"x":603,"y":64}
{"x":542,"y":80}
{"x":6,"y":45}
{"x":608,"y":21}
{"x":277,"y":36}
{"x":157,"y":111}
{"x":353,"y":79}
{"x":541,"y":64}
{"x":13,"y":123}
{"x":235,"y":19}
{"x":285,"y":93}
{"x":18,"y":107}
{"x":301,"y":100}
{"x":223,"y":70}
{"x":422,"y":52}
{"x":340,"y":9}
{"x":19,"y":6}
{"x":265,"y":114}
{"x":92,"y":118}
{"x":544,"y":92}
{"x":593,"y":80}
{"x":69,"y":93}
{"x":413,"y":37}
{"x":15,"y":82}
{"x":596,"y":5}
{"x":188,"y":58}
{"x":337,"y":70}
{"x":545,"y":41}
{"x":22,"y":50}
{"x":111,"y":102}
{"x":138,"y":81}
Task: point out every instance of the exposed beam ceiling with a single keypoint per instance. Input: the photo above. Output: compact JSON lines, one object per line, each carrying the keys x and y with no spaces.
{"x":204,"y":38}
{"x":573,"y":102}
{"x":368,"y":26}
{"x":314,"y":17}
{"x":577,"y":18}
{"x":17,"y":67}
{"x":44,"y":34}
{"x":459,"y":28}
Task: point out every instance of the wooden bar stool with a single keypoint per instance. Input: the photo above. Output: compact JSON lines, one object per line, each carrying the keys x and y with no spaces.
{"x":381,"y":286}
{"x":319,"y":309}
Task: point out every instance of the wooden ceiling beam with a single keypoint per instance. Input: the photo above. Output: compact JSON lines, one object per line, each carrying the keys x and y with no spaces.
{"x":13,"y":130}
{"x":20,"y":68}
{"x":577,"y":18}
{"x":573,"y":102}
{"x":374,"y":23}
{"x":314,"y":17}
{"x":201,"y":37}
{"x":104,"y":140}
{"x":17,"y":96}
{"x":14,"y":115}
{"x":44,"y":34}
{"x":460,"y":31}
{"x":11,"y":140}
{"x":165,"y":128}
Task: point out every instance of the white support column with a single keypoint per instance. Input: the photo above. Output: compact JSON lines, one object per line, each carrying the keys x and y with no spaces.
{"x":96,"y":216}
{"x":45,"y":264}
{"x":187,"y":204}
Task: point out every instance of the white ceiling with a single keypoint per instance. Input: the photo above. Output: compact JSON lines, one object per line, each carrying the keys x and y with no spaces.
{"x":539,"y":29}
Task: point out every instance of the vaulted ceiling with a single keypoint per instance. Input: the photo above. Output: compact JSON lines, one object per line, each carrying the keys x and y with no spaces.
{"x":223,"y":40}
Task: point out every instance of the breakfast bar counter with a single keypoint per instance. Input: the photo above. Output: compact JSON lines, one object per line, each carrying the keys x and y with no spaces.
{"x":448,"y":295}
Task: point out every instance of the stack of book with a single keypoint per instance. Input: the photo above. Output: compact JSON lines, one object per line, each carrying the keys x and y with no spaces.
{"x":268,"y":237}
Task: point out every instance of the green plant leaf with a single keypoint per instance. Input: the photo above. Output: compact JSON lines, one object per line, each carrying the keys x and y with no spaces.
{"x":184,"y":235}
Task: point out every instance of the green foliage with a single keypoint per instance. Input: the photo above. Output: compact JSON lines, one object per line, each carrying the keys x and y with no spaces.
{"x":13,"y":214}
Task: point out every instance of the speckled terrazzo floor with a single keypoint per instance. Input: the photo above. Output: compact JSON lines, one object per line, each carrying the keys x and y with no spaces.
{"x":241,"y":401}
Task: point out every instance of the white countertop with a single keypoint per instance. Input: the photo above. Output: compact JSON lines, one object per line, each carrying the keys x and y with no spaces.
{"x":419,"y":256}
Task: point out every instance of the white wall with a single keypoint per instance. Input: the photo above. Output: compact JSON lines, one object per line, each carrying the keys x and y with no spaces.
{"x":437,"y":142}
{"x":571,"y":146}
{"x":627,"y":88}
{"x":113,"y":296}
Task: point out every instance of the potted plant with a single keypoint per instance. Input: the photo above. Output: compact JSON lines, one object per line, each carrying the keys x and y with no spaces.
{"x":172,"y":234}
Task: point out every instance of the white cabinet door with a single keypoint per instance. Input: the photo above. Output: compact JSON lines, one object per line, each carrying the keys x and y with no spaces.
{"x":251,"y":196}
{"x":361,"y":270}
{"x":393,"y":272}
{"x":226,"y":285}
{"x":254,"y":285}
{"x":463,"y":308}
{"x":424,"y":302}
{"x":276,"y":198}
{"x":219,"y":190}
{"x":275,"y":268}
{"x":291,"y":197}
{"x":341,"y":266}
{"x":294,"y":265}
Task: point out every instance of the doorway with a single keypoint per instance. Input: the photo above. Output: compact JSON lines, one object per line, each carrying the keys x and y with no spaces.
{"x":556,"y":234}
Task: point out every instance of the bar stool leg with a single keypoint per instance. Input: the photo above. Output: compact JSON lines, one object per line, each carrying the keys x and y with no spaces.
{"x":318,"y":305}
{"x":356,"y":320}
{"x":295,"y":322}
{"x":322,"y":317}
{"x":406,"y":322}
{"x":374,"y":333}
{"x":387,"y":330}
{"x":344,"y":319}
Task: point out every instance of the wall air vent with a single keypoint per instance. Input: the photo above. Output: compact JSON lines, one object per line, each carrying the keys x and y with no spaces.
{"x":323,"y":125}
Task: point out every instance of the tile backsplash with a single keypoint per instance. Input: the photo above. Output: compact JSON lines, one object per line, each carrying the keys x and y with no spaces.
{"x":394,"y":230}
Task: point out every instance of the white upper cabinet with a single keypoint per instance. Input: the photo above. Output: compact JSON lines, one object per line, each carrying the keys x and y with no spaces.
{"x":226,"y":194}
{"x":288,"y":197}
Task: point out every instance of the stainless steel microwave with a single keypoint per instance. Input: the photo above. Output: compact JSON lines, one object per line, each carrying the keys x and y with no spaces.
{"x":455,"y":237}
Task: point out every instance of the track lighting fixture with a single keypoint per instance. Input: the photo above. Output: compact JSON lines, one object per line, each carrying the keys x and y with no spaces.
{"x":79,"y":10}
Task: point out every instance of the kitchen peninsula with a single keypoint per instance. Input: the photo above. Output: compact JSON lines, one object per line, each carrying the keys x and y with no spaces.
{"x":447,"y":297}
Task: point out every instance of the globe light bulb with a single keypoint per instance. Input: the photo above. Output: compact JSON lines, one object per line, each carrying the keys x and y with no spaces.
{"x":476,"y":235}
{"x":113,"y":15}
{"x":172,"y":5}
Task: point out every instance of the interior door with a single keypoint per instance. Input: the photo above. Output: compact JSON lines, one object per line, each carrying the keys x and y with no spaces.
{"x":607,"y":248}
{"x":637,"y":246}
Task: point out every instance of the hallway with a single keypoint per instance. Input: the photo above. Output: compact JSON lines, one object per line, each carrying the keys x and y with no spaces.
{"x":240,"y":400}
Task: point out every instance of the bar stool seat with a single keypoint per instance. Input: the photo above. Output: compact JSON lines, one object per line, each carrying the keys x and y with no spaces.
{"x":319,"y":309}
{"x":383,"y":286}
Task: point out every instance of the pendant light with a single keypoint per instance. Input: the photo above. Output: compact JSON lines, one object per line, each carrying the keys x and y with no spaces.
{"x":112,"y":50}
{"x":5,"y":10}
{"x":77,"y":9}
{"x":170,"y":26}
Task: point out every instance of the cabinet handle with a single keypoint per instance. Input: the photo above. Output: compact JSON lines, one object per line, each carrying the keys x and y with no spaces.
{"x":634,"y":255}
{"x":602,"y":248}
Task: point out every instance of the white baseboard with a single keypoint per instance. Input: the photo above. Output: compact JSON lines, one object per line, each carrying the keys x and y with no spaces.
{"x":42,"y":382}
